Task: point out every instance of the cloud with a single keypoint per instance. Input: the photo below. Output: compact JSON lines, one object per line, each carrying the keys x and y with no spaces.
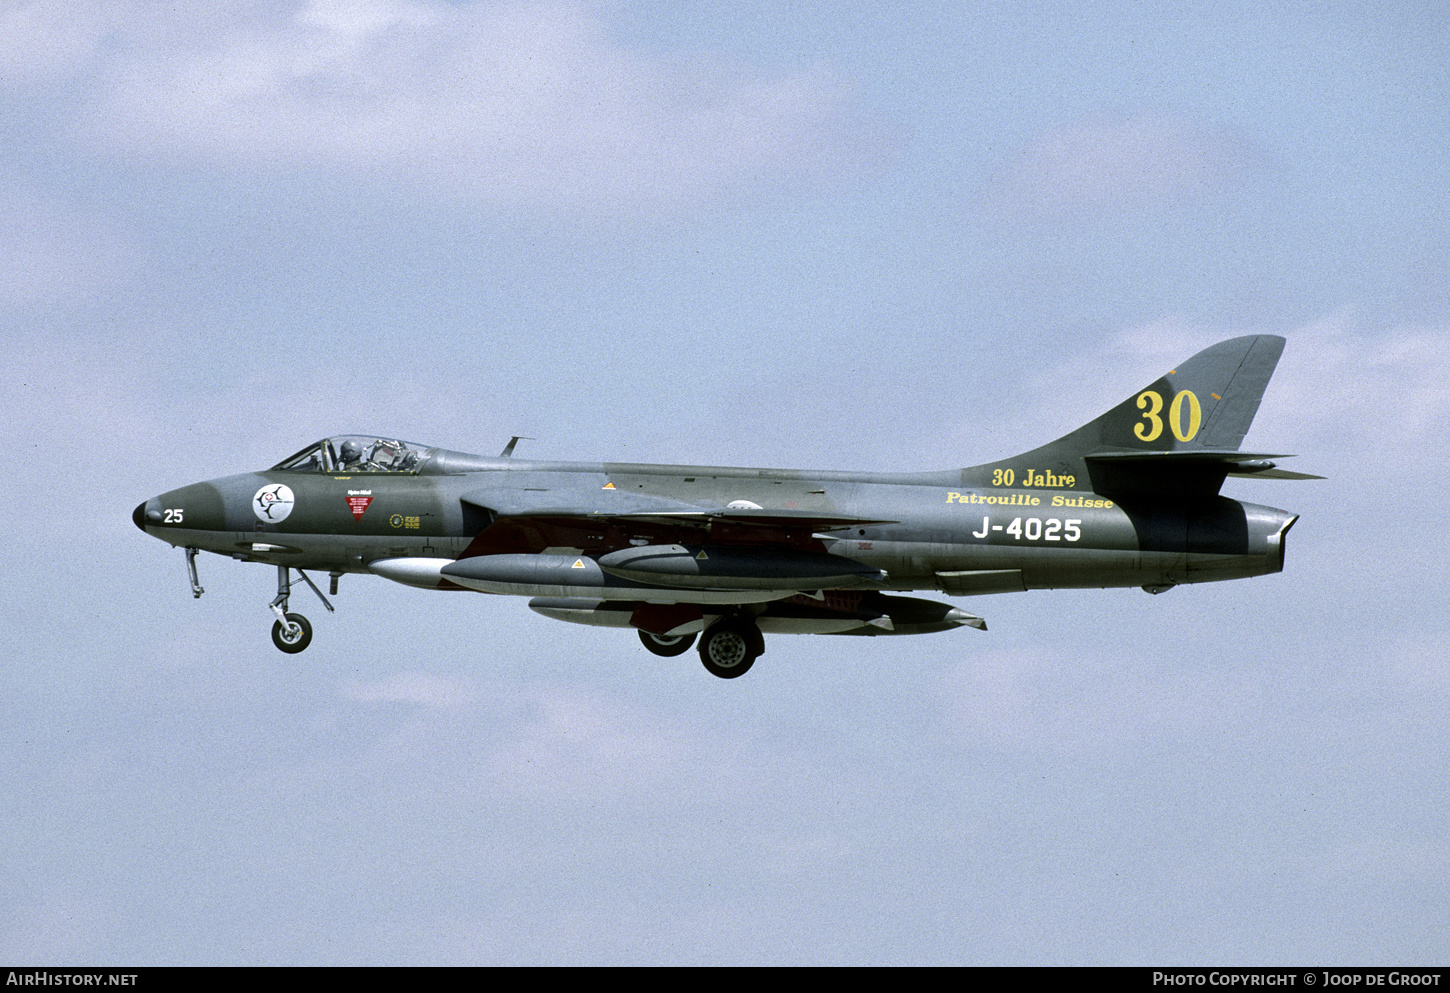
{"x":504,"y":104}
{"x":1115,"y":164}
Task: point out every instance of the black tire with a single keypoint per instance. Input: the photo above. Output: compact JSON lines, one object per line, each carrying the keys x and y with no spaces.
{"x":729,"y":649}
{"x":667,"y":646}
{"x":299,"y":640}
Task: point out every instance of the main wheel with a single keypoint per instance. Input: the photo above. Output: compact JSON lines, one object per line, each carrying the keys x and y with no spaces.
{"x":729,"y":649}
{"x":293,"y":638}
{"x":667,"y":645}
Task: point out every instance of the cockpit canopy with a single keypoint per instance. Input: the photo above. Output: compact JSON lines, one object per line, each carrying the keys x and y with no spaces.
{"x":358,"y":453}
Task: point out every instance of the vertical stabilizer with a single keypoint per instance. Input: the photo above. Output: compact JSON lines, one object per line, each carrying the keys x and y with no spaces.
{"x":1195,"y":414}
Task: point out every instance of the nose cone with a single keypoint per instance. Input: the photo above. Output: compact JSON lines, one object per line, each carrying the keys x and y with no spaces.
{"x":139,"y":515}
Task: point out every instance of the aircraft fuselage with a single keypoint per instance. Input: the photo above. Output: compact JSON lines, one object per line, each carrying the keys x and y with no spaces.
{"x":1128,"y":499}
{"x":935,"y":532}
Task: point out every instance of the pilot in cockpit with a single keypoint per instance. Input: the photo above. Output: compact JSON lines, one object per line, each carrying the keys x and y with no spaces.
{"x":351,"y":456}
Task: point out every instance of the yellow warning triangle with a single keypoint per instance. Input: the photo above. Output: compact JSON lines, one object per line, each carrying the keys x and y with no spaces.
{"x":702,"y":555}
{"x":578,"y":564}
{"x":609,"y":486}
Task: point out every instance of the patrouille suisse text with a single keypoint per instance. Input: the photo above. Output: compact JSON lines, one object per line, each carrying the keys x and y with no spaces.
{"x":1025,"y":500}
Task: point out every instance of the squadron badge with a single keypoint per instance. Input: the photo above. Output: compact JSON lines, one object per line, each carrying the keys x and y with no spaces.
{"x":273,"y":503}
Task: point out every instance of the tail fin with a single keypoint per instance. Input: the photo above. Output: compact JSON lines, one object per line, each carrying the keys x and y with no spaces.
{"x":1179,"y":435}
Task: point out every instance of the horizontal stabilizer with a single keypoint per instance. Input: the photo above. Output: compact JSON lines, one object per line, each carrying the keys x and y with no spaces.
{"x":1186,"y":456}
{"x":1180,"y":471}
{"x":1271,"y":472}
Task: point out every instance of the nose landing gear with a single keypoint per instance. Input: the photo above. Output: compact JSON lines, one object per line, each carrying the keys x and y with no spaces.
{"x":292,"y":632}
{"x":295,"y":636}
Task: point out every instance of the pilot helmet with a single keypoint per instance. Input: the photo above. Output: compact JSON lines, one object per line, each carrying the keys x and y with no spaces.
{"x":351,"y":451}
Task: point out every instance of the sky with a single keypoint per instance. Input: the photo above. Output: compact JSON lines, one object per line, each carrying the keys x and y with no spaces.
{"x":827,"y":235}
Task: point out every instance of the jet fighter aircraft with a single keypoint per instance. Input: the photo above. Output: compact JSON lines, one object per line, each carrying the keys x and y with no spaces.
{"x":728,"y":555}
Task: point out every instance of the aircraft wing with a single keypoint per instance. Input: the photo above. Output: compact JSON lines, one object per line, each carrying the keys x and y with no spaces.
{"x":709,"y":520}
{"x":532,"y":520}
{"x":569,"y":502}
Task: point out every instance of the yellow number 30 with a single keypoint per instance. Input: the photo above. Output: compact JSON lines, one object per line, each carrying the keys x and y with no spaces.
{"x":1151,"y":404}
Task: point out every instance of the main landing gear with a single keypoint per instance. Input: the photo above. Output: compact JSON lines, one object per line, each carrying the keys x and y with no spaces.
{"x":293,"y":632}
{"x":667,"y":645}
{"x":730,"y":647}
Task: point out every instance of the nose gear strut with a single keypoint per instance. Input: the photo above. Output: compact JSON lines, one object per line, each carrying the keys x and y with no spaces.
{"x":292,"y":632}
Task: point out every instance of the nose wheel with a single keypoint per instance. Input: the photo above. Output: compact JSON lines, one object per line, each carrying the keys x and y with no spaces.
{"x":292,"y":632}
{"x":294,"y":636}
